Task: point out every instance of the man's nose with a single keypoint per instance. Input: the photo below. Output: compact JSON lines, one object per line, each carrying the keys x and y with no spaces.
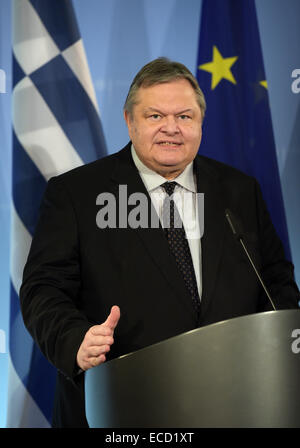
{"x":170,"y":125}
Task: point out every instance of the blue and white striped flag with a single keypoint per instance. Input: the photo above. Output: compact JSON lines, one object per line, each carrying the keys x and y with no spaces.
{"x":56,"y":127}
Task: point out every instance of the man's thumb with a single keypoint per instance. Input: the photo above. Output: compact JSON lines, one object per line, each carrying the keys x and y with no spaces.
{"x":113,"y":318}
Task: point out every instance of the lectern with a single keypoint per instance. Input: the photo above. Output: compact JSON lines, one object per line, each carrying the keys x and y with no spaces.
{"x":244,"y":372}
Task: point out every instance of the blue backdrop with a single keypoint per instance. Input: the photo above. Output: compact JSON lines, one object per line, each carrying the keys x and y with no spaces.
{"x":122,"y":35}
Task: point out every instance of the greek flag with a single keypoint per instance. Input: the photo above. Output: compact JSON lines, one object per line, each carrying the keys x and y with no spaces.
{"x":56,"y":127}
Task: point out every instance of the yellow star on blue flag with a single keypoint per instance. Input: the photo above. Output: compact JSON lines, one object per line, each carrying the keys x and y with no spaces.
{"x":264,"y":84}
{"x":220,"y":68}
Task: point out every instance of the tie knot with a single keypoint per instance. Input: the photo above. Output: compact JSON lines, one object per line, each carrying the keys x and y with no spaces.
{"x":169,"y":187}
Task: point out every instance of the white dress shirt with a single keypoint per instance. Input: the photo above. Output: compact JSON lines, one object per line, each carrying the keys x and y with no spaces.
{"x":185,"y":198}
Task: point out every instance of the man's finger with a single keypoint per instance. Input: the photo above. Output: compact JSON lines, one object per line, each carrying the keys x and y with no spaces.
{"x":100,"y":330}
{"x":95,"y":351}
{"x":93,"y":362}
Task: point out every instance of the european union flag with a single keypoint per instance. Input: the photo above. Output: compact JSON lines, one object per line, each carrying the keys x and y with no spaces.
{"x":237,"y":129}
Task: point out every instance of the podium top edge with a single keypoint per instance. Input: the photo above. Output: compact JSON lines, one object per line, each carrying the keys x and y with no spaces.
{"x":215,"y":324}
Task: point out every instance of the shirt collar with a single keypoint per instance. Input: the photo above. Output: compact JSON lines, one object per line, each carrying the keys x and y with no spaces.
{"x":153,"y":180}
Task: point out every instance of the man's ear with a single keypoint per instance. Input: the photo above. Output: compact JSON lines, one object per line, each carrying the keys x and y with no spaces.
{"x":127,"y":118}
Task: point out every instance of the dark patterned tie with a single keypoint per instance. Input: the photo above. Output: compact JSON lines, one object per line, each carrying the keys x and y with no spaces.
{"x":178,"y":243}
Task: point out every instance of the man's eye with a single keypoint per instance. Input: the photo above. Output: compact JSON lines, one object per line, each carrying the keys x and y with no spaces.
{"x":155,"y":116}
{"x":184,"y":117}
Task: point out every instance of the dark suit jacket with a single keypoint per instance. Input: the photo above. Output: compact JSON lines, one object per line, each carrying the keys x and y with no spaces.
{"x":76,"y":271}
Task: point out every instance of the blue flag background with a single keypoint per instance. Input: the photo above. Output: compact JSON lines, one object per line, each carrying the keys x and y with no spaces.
{"x":237,"y":128}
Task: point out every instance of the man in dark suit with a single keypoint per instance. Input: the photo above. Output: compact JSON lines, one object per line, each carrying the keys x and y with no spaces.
{"x":92,"y":292}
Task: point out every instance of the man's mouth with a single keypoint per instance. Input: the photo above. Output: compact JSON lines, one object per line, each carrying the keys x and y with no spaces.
{"x":169,"y":143}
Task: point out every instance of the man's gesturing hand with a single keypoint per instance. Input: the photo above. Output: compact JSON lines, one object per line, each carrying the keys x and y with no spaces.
{"x":97,"y":341}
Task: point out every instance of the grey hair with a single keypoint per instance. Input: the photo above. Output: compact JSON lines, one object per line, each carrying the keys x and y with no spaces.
{"x":159,"y":71}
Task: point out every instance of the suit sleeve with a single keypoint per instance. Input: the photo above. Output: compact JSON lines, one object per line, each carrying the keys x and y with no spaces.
{"x":50,"y":292}
{"x":277,"y":272}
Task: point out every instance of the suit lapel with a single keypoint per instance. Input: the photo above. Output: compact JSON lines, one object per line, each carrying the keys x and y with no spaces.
{"x":214,"y":221}
{"x":153,"y":239}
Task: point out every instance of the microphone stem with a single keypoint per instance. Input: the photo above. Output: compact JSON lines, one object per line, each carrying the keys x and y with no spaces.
{"x":259,"y":277}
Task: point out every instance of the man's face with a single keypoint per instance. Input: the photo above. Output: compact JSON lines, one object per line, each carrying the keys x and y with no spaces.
{"x":166,"y":126}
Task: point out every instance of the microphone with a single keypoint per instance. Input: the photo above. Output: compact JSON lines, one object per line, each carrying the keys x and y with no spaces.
{"x":237,"y":233}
